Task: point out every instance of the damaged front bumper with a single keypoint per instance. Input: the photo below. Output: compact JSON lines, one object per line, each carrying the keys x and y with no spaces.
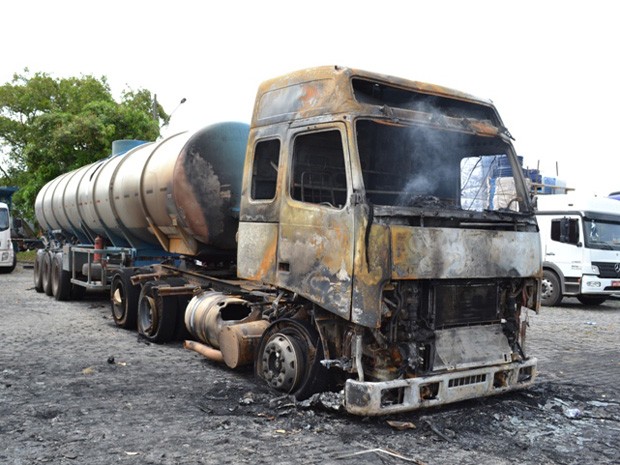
{"x":401,"y":395}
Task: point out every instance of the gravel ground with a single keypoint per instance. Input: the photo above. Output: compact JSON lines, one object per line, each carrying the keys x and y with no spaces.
{"x":74,"y":389}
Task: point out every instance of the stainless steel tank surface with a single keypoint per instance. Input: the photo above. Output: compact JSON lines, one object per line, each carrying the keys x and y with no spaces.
{"x":180,"y":193}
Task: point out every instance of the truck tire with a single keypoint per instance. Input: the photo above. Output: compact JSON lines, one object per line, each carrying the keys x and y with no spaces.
{"x":38,"y":271}
{"x":46,"y":273}
{"x":157,"y":315}
{"x":181,"y":332}
{"x":124,"y":298}
{"x":299,"y":346}
{"x":61,"y":279}
{"x":591,"y":299}
{"x":551,"y":294}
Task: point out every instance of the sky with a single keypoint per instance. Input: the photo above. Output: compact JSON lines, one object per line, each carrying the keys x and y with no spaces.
{"x":550,"y":67}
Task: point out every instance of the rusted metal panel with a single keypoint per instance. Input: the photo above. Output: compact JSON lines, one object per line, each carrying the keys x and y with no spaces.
{"x":372,"y":270}
{"x":256,"y":255}
{"x":470,"y":346}
{"x":315,"y":256}
{"x":443,"y":253}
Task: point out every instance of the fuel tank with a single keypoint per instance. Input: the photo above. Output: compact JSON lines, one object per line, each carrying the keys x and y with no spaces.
{"x":180,"y":194}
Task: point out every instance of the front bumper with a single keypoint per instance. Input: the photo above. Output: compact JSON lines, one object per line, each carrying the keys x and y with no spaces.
{"x":377,"y":398}
{"x":591,"y":284}
{"x":7,"y":257}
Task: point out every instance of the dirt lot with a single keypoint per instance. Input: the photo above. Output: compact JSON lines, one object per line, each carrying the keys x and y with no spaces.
{"x":74,"y":389}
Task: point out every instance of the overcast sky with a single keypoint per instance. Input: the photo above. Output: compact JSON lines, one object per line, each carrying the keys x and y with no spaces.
{"x":551,"y":67}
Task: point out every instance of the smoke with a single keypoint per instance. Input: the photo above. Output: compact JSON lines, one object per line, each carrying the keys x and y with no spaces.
{"x":425,"y":164}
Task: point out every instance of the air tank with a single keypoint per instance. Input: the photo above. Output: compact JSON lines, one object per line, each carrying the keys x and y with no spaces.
{"x":180,"y":194}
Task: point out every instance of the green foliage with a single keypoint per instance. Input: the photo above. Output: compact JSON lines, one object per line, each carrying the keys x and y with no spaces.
{"x":50,"y":126}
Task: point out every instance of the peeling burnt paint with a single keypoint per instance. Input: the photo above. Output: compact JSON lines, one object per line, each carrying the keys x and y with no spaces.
{"x":442,"y":253}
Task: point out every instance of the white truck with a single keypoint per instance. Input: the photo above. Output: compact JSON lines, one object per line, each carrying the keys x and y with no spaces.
{"x":580,"y":239}
{"x":8,"y":259}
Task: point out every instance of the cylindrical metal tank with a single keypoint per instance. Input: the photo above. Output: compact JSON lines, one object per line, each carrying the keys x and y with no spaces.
{"x":181,"y":194}
{"x":210,"y":311}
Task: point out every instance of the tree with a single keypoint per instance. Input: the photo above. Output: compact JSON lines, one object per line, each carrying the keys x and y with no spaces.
{"x":49,"y":126}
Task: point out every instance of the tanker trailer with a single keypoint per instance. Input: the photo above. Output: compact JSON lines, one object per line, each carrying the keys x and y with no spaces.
{"x":146,"y":203}
{"x":377,"y":246}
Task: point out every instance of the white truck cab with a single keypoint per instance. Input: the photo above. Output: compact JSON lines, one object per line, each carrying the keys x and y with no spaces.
{"x":580,"y":239}
{"x":8,"y":259}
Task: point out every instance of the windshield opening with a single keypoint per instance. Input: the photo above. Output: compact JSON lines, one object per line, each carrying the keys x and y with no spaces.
{"x":423,"y":166}
{"x":4,"y":219}
{"x":601,"y":234}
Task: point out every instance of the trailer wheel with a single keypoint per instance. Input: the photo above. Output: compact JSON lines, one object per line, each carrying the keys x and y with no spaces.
{"x":288,"y":359}
{"x":157,"y":315}
{"x":61,"y":279}
{"x":46,"y":273}
{"x":124,"y":298}
{"x":551,"y":294}
{"x":38,"y":271}
{"x":591,"y":299}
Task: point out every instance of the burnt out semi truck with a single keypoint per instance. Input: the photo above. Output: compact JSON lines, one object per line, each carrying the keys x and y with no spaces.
{"x":361,"y":234}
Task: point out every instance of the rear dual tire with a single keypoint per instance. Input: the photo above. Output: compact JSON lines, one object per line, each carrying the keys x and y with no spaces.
{"x":157,"y":315}
{"x":124,"y":298}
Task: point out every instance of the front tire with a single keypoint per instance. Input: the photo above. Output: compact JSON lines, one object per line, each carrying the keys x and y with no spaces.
{"x":551,"y":294}
{"x":591,"y":299}
{"x":289,"y":359}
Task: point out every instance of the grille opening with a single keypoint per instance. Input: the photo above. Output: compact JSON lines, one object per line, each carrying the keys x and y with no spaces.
{"x":392,"y":396}
{"x":500,"y":379}
{"x":429,"y":391}
{"x":467,"y":380}
{"x":525,"y":375}
{"x":465,"y":303}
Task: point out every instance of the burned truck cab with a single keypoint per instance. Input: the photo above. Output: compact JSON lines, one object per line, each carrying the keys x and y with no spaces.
{"x":394,"y":222}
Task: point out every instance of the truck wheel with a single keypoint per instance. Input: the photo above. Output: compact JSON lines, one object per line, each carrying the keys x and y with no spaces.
{"x":46,"y":273}
{"x":124,"y":298}
{"x":61,"y":279}
{"x":288,"y":359}
{"x":38,"y":271}
{"x":157,"y":316}
{"x":551,"y":294}
{"x":591,"y":299}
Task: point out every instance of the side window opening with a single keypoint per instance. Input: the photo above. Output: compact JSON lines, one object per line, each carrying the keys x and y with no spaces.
{"x":565,"y":230}
{"x":318,"y":173}
{"x":265,"y":169}
{"x":4,"y":219}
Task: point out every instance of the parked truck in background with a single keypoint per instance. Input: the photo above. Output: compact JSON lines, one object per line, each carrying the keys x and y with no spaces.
{"x":8,"y":257}
{"x":358,"y":235}
{"x":581,"y":248}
